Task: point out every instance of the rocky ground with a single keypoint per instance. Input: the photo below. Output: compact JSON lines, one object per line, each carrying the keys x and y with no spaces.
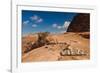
{"x":59,"y":47}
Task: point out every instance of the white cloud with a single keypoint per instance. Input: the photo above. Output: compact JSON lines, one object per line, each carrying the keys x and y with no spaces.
{"x":54,"y":25}
{"x":34,"y":25}
{"x":65,"y":26}
{"x":34,"y":17}
{"x":39,"y":20}
{"x":25,"y":22}
{"x":59,"y":27}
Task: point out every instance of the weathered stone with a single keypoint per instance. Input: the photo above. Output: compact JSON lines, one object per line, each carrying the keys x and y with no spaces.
{"x":80,"y":23}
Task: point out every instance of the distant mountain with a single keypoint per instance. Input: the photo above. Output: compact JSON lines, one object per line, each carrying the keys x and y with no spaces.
{"x":80,"y":23}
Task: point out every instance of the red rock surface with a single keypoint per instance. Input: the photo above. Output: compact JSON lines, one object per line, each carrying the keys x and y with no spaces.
{"x":52,"y":52}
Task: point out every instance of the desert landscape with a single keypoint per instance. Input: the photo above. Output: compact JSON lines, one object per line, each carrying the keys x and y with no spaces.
{"x":74,"y":44}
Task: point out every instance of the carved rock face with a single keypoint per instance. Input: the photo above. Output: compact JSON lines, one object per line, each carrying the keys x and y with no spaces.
{"x":80,"y":23}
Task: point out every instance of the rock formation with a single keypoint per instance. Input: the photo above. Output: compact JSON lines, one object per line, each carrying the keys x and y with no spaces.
{"x":80,"y":23}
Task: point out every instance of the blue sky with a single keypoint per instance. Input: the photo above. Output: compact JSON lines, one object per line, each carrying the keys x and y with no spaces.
{"x":44,"y":21}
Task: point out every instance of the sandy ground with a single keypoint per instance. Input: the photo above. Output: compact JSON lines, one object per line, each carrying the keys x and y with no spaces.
{"x":52,"y":52}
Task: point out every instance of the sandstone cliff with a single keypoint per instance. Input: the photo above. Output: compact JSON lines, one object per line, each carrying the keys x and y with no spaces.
{"x":80,"y":23}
